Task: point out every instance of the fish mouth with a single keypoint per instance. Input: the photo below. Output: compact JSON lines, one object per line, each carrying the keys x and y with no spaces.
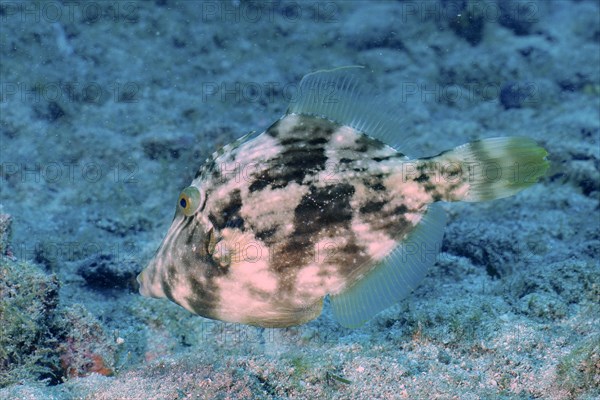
{"x":141,"y":286}
{"x":144,"y":285}
{"x":149,"y":279}
{"x":172,"y":257}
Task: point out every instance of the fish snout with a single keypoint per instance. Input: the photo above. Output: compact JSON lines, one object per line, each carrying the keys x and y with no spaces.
{"x":149,"y":281}
{"x":142,"y":286}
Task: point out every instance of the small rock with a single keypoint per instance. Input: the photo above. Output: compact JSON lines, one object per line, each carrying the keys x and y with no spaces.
{"x":468,"y":24}
{"x":84,"y":346}
{"x":514,"y":94}
{"x":104,"y":271}
{"x":543,"y":305}
{"x":518,"y":16}
{"x":5,"y":233}
{"x":377,"y":28}
{"x":131,"y":224}
{"x":28,"y":303}
{"x":51,"y":112}
{"x":444,"y":357}
{"x":157,"y":148}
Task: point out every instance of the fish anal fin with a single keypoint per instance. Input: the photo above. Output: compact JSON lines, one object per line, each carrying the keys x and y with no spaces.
{"x":396,"y":276}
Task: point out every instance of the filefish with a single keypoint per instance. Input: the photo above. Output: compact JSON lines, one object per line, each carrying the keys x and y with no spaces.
{"x":323,"y":203}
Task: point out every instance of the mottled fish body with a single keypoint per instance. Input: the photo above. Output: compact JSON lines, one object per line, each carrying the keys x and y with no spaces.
{"x":319,"y":205}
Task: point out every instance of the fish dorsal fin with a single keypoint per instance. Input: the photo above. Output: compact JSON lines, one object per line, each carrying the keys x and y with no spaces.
{"x":210,"y":163}
{"x":396,"y":276}
{"x":340,"y":95}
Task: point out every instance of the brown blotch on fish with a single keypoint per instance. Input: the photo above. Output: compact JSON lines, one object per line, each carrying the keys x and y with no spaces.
{"x":228,"y":215}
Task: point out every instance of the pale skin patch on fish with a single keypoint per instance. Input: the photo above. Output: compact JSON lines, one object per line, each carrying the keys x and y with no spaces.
{"x":251,"y":273}
{"x":316,"y":280}
{"x":239,"y":302}
{"x":413,"y":218}
{"x":256,"y":153}
{"x":181,"y":292}
{"x":287,"y":123}
{"x":270,"y":207}
{"x":249,"y":282}
{"x":378,"y":243}
{"x":344,"y":137}
{"x":413,"y":194}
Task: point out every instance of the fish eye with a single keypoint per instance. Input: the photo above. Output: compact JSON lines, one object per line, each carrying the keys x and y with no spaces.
{"x":189,"y":200}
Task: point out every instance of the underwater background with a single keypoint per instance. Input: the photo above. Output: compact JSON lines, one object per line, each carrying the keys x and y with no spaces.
{"x":108,"y":108}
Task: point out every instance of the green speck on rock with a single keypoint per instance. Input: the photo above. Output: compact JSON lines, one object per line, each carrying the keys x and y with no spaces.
{"x":579,"y":371}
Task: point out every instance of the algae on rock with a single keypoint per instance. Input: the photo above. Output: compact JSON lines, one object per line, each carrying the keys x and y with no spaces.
{"x":41,"y":340}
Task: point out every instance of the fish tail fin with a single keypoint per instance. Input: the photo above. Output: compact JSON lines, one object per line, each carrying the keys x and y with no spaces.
{"x":486,"y":169}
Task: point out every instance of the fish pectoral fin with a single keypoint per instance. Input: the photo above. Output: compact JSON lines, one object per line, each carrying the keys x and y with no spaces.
{"x":213,"y":239}
{"x":396,"y":276}
{"x":218,"y":249}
